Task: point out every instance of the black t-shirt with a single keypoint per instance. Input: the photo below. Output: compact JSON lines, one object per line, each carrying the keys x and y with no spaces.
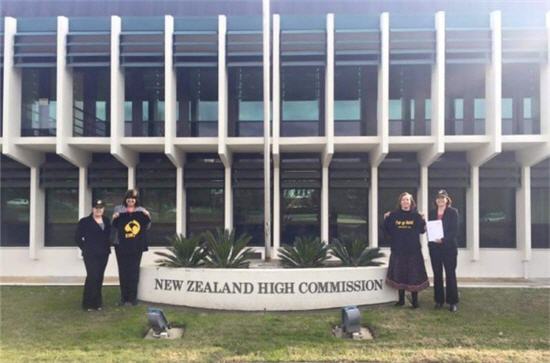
{"x":132,"y":232}
{"x":403,"y":229}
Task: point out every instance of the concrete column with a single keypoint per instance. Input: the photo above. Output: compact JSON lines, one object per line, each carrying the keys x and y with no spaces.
{"x":222,"y":92}
{"x":276,"y":210}
{"x":64,"y":109}
{"x":329,"y":87}
{"x":228,"y":194}
{"x":325,"y":205}
{"x":131,"y":177}
{"x":373,"y":207}
{"x":123,"y":154}
{"x":523,"y":214}
{"x":266,"y":32}
{"x":37,"y":214}
{"x":276,"y":94}
{"x":383,"y":93}
{"x":170,"y":93}
{"x":84,"y":193}
{"x":423,"y":205}
{"x":472,"y":217}
{"x":181,"y":211}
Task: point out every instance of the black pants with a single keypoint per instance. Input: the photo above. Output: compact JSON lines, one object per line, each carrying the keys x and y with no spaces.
{"x":95,"y":270}
{"x":444,"y":258}
{"x":128,"y":275}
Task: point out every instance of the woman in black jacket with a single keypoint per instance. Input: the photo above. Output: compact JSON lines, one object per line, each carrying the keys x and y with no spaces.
{"x":92,"y":236}
{"x":406,"y":270}
{"x":443,"y":252}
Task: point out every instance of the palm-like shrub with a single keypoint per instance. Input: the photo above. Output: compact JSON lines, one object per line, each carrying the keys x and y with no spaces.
{"x":306,"y":252}
{"x":223,"y":250}
{"x":183,"y":252}
{"x":355,"y":253}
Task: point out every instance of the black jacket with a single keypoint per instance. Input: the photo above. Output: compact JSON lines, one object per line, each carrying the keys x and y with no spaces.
{"x":402,"y":230}
{"x":131,"y":228}
{"x":450,"y":227}
{"x":91,"y":239}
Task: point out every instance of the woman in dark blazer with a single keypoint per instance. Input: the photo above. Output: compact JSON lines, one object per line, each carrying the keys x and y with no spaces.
{"x":443,"y":252}
{"x":92,"y":236}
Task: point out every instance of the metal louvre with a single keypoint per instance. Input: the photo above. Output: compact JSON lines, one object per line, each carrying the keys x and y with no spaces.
{"x":56,"y":172}
{"x":399,"y":172}
{"x":524,"y":45}
{"x":412,"y":46}
{"x":468,"y":45}
{"x":14,"y":174}
{"x":503,"y":171}
{"x":196,"y":42}
{"x":35,"y":49}
{"x":303,"y":41}
{"x":349,"y":171}
{"x":356,"y":40}
{"x":204,"y":171}
{"x":105,"y":171}
{"x":142,"y":42}
{"x":540,"y":175}
{"x":155,"y":171}
{"x":244,"y":41}
{"x":449,"y":171}
{"x":301,"y":171}
{"x":248,"y":172}
{"x":91,"y":49}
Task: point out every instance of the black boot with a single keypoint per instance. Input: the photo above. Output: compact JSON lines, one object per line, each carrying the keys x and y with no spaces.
{"x":401,"y":301}
{"x":414,"y":299}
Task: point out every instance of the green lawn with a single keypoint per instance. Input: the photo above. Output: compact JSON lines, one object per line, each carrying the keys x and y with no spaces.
{"x":46,"y":324}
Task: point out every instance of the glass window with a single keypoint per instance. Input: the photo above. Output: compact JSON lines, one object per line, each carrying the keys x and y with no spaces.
{"x":248,"y":212}
{"x":161,"y":203}
{"x":349,"y":214}
{"x":144,"y":103}
{"x":197,"y":102}
{"x":61,"y":216}
{"x":497,"y":213}
{"x":300,"y":213}
{"x":527,"y":112}
{"x":15,"y":203}
{"x":396,"y":109}
{"x":459,"y":108}
{"x":428,"y":109}
{"x":479,"y":108}
{"x":246,"y":106}
{"x":507,"y":108}
{"x":38,"y":102}
{"x":540,"y":222}
{"x":348,"y":91}
{"x":205,"y":210}
{"x":301,"y":92}
{"x":91,"y":95}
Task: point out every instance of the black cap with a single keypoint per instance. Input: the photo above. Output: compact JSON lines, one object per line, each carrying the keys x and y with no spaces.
{"x":442,"y":193}
{"x":98,"y":204}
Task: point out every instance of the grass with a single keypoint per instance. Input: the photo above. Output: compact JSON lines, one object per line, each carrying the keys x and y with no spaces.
{"x":492,"y":325}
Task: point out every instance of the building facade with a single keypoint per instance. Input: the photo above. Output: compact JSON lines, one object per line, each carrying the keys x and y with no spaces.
{"x":334,"y":107}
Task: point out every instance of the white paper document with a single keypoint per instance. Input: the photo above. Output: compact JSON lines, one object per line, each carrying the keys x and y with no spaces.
{"x":434,"y":230}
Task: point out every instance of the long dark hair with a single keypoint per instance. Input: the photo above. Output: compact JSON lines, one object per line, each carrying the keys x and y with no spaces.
{"x":132,"y":193}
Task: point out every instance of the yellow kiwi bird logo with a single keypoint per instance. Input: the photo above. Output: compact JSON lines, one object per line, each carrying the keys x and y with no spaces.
{"x":132,"y":229}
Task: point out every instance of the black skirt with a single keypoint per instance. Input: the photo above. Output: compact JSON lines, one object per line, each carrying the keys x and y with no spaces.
{"x":407,"y":272}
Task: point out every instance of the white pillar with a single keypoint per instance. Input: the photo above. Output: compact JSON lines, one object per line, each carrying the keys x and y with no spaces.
{"x":276,"y":210}
{"x":181,"y":225}
{"x":423,"y":205}
{"x":222,"y":93}
{"x":170,"y":93}
{"x":276,"y":94}
{"x":472,"y":217}
{"x":373,"y":207}
{"x":228,"y":194}
{"x":37,"y":214}
{"x":64,"y":96}
{"x":266,"y":32}
{"x":325,"y":205}
{"x":384,"y":83}
{"x":523,"y":214}
{"x":84,"y":193}
{"x":329,"y":87}
{"x":131,"y":177}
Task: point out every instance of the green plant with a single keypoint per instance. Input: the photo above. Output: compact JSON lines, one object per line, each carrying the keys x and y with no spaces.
{"x":223,"y":250}
{"x":355,"y":253}
{"x":183,"y":252}
{"x":306,"y":252}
